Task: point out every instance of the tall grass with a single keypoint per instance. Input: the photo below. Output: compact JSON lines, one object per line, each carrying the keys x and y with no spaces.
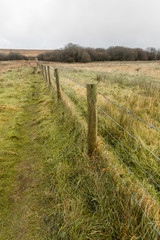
{"x":141,"y":98}
{"x":60,"y":193}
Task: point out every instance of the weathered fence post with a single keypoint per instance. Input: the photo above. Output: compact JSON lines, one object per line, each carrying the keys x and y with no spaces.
{"x":49,"y":75}
{"x":92,"y":117}
{"x":44,"y":73}
{"x":57,"y":84}
{"x":38,"y":67}
{"x":35,"y":70}
{"x":45,"y":68}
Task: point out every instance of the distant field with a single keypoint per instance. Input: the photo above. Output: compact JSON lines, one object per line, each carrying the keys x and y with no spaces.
{"x":143,"y":69}
{"x":27,"y":53}
{"x":8,"y":65}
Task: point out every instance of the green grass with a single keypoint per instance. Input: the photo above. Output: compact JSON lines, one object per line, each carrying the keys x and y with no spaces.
{"x":50,"y":189}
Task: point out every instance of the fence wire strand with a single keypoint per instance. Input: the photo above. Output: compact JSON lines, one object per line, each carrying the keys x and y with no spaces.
{"x":150,"y":176}
{"x":132,"y":196}
{"x":129,"y":170}
{"x":80,"y":84}
{"x":128,"y":112}
{"x":128,"y":133}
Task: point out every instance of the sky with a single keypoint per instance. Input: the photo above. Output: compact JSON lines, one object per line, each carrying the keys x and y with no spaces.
{"x":52,"y":24}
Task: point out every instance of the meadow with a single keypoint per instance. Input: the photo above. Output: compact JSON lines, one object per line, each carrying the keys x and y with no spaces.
{"x":50,"y":188}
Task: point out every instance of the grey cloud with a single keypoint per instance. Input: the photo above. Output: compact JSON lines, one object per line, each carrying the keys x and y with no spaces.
{"x":51,"y":24}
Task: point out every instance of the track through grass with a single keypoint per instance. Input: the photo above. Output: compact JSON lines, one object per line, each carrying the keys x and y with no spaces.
{"x":49,"y":188}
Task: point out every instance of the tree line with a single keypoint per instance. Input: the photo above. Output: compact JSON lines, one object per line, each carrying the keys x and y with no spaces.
{"x":75,"y":53}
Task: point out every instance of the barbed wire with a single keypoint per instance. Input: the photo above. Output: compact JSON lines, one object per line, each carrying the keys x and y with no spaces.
{"x":128,"y":112}
{"x":129,"y":170}
{"x":150,"y":176}
{"x":80,"y":84}
{"x":128,"y":133}
{"x":77,"y":100}
{"x":138,"y":203}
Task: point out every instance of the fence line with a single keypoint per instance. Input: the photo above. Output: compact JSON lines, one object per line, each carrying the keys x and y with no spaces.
{"x":129,"y":171}
{"x":128,"y":133}
{"x":138,"y":203}
{"x":152,"y":127}
{"x":132,"y":157}
{"x":80,"y":84}
{"x":122,"y":108}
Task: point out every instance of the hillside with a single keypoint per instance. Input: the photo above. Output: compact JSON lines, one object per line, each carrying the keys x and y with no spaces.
{"x":25,"y":52}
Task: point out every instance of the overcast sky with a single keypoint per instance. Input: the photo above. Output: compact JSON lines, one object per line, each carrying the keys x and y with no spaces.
{"x":51,"y":24}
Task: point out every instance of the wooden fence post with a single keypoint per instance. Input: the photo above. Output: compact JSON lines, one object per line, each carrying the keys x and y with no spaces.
{"x":45,"y":68}
{"x":49,"y":75}
{"x":57,"y":84}
{"x":44,"y":72}
{"x":34,"y":70}
{"x":92,"y":117}
{"x":38,"y":67}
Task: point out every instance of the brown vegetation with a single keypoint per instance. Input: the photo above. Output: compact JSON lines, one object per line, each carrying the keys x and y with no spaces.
{"x":75,"y":53}
{"x":9,"y":65}
{"x":25,"y":52}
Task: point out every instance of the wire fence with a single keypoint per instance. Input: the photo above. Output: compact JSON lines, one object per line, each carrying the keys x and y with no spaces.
{"x":130,"y":155}
{"x":120,"y":142}
{"x":80,"y":84}
{"x":128,"y":112}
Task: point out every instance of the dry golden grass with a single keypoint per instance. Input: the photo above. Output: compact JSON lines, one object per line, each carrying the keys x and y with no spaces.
{"x":25,"y":52}
{"x":151,"y":69}
{"x":136,"y":87}
{"x":9,"y":65}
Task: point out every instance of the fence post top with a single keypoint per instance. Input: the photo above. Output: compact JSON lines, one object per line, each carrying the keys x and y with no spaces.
{"x":92,"y":92}
{"x":91,"y":84}
{"x":92,"y":87}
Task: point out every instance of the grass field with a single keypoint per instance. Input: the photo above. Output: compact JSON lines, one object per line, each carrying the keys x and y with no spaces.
{"x":49,"y":187}
{"x":137,"y":91}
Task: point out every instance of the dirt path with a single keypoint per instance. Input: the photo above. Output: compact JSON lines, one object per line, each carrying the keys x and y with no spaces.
{"x":24,"y":210}
{"x":39,"y":152}
{"x":26,"y":216}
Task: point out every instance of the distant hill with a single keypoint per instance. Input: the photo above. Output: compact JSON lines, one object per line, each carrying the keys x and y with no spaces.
{"x":25,"y":52}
